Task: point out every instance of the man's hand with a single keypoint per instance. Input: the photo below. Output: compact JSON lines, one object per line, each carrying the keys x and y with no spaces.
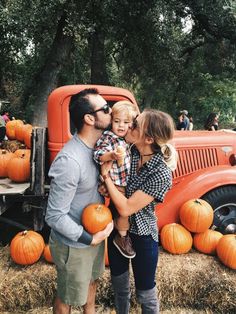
{"x":102,"y":235}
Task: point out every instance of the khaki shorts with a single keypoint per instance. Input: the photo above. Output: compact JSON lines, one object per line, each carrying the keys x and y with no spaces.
{"x":76,"y":268}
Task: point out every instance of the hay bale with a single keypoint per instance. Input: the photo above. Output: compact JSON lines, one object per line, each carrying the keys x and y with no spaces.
{"x":193,"y":281}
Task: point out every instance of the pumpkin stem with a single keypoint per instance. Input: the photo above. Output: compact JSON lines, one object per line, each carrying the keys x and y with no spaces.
{"x":24,"y":232}
{"x":197,"y":201}
{"x":99,"y":207}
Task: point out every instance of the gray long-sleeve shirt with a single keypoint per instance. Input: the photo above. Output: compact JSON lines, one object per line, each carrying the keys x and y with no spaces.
{"x":74,"y":185}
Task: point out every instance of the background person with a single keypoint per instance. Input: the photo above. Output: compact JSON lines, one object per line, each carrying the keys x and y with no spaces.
{"x":150,"y":178}
{"x":78,"y":255}
{"x":107,"y":149}
{"x":212,"y":123}
{"x":183,"y":121}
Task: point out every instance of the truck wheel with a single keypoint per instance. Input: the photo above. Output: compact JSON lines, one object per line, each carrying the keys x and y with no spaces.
{"x":223,"y":201}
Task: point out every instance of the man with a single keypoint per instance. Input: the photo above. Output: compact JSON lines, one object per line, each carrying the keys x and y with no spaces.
{"x":183,"y":121}
{"x":78,"y":255}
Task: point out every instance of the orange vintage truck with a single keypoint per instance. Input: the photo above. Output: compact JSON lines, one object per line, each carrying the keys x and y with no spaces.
{"x":206,"y":166}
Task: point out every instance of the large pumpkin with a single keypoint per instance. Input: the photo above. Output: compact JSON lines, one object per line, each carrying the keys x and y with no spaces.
{"x":196,"y":215}
{"x":95,"y":217}
{"x":226,"y":250}
{"x":5,"y":157}
{"x":26,"y":247}
{"x":19,"y":169}
{"x":207,"y":241}
{"x":11,"y":128}
{"x":176,"y":239}
{"x":47,"y":254}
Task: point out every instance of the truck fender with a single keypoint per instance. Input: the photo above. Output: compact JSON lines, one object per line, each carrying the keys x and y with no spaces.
{"x":190,"y":187}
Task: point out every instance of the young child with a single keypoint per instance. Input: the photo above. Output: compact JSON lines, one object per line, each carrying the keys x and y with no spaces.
{"x":112,"y":146}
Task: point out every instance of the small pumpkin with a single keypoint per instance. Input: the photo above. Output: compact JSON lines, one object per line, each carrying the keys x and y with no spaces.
{"x":27,"y":135}
{"x":95,"y":217}
{"x":11,"y":128}
{"x":23,"y":152}
{"x":207,"y":241}
{"x":47,"y":254}
{"x":26,"y":247}
{"x":196,"y":215}
{"x":176,"y":239}
{"x":20,"y":131}
{"x":226,"y":250}
{"x":5,"y":157}
{"x":18,"y":169}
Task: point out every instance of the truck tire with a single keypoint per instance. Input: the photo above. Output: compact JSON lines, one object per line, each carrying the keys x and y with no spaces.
{"x":223,"y":201}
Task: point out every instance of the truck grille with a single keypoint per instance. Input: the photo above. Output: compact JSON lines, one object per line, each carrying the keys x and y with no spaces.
{"x":195,"y":159}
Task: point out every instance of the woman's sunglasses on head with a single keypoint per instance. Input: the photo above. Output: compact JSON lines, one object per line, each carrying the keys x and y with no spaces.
{"x":134,"y":124}
{"x":105,"y":109}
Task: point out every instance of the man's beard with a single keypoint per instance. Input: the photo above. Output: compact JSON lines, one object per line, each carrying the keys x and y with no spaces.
{"x":101,"y":126}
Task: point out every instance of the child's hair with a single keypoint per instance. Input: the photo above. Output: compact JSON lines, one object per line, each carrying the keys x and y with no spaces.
{"x":124,"y":106}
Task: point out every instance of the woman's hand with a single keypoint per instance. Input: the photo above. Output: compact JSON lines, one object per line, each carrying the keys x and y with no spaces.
{"x":106,"y":167}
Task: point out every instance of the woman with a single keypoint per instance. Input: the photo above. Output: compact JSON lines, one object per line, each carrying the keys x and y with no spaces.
{"x":211,"y":123}
{"x":150,"y":179}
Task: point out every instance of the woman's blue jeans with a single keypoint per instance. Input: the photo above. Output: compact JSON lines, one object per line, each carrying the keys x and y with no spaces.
{"x":144,"y":264}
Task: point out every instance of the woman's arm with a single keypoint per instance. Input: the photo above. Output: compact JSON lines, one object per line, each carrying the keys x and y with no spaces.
{"x":126,"y":206}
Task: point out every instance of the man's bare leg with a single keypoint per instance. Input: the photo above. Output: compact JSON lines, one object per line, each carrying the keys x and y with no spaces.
{"x":89,"y":307}
{"x":61,"y":308}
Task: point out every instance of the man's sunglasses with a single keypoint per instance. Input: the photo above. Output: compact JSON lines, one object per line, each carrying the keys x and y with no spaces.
{"x":105,"y":109}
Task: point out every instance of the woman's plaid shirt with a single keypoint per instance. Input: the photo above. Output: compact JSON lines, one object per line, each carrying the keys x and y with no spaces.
{"x":109,"y":142}
{"x":153,"y":178}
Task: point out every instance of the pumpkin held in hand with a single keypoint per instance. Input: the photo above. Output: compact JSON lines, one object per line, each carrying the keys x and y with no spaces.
{"x":96,"y":217}
{"x":26,"y":247}
{"x":196,"y":215}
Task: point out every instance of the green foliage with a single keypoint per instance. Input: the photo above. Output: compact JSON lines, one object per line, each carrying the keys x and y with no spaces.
{"x":147,"y":48}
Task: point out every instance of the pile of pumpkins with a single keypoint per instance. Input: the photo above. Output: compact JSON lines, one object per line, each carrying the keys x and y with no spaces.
{"x":27,"y":247}
{"x":16,"y":165}
{"x":196,"y":217}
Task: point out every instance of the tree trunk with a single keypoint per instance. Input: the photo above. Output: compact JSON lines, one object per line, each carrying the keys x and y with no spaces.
{"x":98,"y":59}
{"x":46,"y":80}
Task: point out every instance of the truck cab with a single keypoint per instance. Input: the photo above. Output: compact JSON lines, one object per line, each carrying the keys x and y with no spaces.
{"x":205,"y":169}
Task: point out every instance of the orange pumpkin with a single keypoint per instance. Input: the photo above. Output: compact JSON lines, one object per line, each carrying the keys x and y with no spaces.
{"x":95,"y":217}
{"x":226,"y":250}
{"x":5,"y":157}
{"x":26,"y":247}
{"x":207,"y":241}
{"x":176,"y":239}
{"x":106,"y":254}
{"x":23,"y":152}
{"x":47,"y":254}
{"x":18,"y":169}
{"x":11,"y":127}
{"x":20,"y":131}
{"x":27,"y":135}
{"x":196,"y":215}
